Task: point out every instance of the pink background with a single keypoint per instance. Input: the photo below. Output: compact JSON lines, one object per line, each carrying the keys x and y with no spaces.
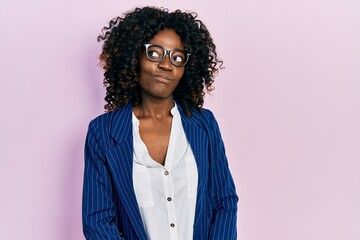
{"x":288,"y":104}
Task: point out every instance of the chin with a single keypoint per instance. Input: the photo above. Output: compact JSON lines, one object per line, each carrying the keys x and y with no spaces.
{"x":157,"y":95}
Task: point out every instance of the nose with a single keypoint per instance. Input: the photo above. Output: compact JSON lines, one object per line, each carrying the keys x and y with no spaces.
{"x":165,"y":64}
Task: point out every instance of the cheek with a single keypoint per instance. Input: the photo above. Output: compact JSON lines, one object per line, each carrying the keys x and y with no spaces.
{"x":180,"y":73}
{"x":145,"y":69}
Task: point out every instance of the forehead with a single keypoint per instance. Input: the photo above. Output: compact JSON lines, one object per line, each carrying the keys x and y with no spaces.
{"x":168,"y":38}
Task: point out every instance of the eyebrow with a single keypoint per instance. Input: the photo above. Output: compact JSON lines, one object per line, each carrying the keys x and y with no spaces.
{"x":183,"y":50}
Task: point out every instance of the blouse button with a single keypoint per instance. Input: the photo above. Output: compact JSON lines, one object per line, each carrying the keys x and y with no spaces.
{"x":166,"y":173}
{"x":172,"y":225}
{"x":169,"y":199}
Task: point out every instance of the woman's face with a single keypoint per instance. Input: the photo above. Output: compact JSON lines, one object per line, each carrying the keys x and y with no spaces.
{"x":159,"y":79}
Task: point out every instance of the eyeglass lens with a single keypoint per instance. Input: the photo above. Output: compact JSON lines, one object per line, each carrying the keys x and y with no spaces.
{"x":157,"y":53}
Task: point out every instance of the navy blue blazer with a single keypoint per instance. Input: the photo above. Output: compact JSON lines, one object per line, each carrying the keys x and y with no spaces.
{"x":110,"y":209}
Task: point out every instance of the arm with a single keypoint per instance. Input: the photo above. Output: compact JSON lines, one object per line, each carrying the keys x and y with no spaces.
{"x":98,"y":211}
{"x":223,"y":187}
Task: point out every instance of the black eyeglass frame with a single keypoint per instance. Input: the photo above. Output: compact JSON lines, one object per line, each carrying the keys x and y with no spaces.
{"x":166,"y":52}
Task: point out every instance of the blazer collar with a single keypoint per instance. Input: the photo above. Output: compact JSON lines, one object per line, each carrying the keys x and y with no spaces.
{"x":121,"y":127}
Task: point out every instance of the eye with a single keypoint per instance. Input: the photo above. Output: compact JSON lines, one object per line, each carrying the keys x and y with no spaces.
{"x":155,"y":52}
{"x":178,"y":57}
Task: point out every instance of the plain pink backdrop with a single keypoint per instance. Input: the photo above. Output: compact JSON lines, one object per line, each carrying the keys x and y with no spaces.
{"x":288,"y":104}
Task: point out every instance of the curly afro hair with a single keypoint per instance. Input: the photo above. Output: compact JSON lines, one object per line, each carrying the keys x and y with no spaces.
{"x":124,"y":40}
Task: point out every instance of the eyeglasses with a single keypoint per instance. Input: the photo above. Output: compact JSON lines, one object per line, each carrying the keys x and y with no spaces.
{"x":157,"y":53}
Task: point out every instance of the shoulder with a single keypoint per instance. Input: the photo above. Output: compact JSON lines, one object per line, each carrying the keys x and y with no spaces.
{"x":203,"y":119}
{"x":110,"y":126}
{"x":204,"y":115}
{"x":106,"y":120}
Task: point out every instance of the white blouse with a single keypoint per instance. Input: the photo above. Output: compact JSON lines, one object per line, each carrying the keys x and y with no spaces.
{"x":166,"y":195}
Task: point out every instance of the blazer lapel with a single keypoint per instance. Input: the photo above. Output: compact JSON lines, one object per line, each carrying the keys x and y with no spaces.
{"x":198,"y":140}
{"x":120,"y":158}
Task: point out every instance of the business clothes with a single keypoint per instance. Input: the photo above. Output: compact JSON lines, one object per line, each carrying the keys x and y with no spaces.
{"x":110,"y":209}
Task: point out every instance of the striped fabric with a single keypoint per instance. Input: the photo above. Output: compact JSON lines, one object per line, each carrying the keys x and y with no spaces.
{"x":110,"y":210}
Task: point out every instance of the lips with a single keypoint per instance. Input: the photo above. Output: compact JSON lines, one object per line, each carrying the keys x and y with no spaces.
{"x":163,"y":77}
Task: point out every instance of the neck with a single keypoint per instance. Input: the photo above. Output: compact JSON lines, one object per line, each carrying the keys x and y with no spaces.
{"x":154,"y":108}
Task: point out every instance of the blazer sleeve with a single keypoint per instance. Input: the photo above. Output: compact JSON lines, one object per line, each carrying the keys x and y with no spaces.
{"x":98,"y":209}
{"x":223,"y":188}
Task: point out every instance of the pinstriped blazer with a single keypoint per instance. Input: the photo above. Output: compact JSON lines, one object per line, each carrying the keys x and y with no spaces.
{"x":110,"y":209}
